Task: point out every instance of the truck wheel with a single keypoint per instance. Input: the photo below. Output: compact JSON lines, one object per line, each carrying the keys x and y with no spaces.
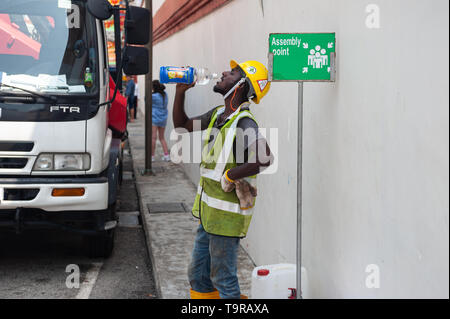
{"x":102,"y":244}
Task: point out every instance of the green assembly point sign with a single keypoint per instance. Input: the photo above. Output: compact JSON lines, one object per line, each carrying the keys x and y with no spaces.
{"x":302,"y":56}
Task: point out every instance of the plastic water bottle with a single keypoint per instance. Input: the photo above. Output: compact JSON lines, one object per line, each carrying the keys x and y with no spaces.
{"x":88,"y":81}
{"x":187,"y":75}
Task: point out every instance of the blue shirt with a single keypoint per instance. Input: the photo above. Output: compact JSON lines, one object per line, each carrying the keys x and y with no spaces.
{"x":159,"y":109}
{"x":129,"y":92}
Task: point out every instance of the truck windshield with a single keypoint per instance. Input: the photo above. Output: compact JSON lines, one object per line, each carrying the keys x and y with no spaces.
{"x":47,"y":46}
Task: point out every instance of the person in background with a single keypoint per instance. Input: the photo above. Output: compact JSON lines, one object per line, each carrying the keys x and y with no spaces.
{"x":136,"y":98}
{"x":159,"y":118}
{"x":129,"y":94}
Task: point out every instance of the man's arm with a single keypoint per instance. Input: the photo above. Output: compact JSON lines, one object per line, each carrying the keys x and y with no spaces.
{"x":251,"y":150}
{"x":180,"y":119}
{"x":259,"y":158}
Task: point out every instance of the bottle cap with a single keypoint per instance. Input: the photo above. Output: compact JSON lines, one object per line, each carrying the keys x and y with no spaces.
{"x":263,"y":272}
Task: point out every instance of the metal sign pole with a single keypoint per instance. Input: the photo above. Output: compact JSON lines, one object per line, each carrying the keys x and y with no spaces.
{"x":301,"y":57}
{"x":148,"y":98}
{"x":299,"y":189}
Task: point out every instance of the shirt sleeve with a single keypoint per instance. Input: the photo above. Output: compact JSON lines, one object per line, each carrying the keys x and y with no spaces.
{"x":247,"y":132}
{"x":246,"y":135}
{"x":205,"y":119}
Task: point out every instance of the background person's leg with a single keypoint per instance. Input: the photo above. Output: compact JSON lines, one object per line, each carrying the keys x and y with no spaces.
{"x":154,"y":138}
{"x":161,"y":131}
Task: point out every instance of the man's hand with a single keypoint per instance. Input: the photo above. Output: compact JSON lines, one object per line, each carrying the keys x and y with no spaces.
{"x":246,"y":193}
{"x":258,"y":160}
{"x":182,"y":87}
{"x":227,"y":185}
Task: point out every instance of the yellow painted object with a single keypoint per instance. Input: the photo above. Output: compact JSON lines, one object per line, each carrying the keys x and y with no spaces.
{"x":209,"y":295}
{"x":258,"y":75}
{"x":205,"y":295}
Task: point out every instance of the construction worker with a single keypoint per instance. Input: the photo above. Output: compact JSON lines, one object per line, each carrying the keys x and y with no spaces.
{"x":232,"y":157}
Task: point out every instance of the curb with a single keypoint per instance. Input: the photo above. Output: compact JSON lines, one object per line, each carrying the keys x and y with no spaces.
{"x":145,"y":227}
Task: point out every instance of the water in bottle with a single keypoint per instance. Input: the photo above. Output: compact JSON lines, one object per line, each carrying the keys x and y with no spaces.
{"x":187,"y":75}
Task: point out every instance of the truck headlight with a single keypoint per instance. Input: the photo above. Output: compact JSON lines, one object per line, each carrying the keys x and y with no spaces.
{"x":72,"y":162}
{"x":44,"y":163}
{"x":63,"y":162}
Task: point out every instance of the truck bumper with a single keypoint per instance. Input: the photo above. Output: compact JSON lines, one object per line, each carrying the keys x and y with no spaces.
{"x":28,"y":203}
{"x":37,"y":193}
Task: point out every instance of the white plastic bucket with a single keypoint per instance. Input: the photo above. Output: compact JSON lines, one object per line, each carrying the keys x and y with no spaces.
{"x":276,"y":281}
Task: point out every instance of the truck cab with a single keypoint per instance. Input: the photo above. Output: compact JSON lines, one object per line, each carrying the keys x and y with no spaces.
{"x":60,"y":161}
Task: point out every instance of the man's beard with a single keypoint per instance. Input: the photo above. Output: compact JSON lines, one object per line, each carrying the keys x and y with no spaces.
{"x":218,"y":89}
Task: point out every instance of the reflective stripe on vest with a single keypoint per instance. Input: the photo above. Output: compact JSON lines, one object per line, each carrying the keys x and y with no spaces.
{"x":222,"y":204}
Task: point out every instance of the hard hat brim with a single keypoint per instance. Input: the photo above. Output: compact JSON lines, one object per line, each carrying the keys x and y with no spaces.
{"x":233,"y":64}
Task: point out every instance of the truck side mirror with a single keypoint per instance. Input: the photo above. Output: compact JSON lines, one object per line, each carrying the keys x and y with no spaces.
{"x":135,"y":61}
{"x":137,"y":25}
{"x":101,"y":9}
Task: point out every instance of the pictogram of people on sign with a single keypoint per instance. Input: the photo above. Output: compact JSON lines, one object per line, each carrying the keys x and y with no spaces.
{"x":318,"y":57}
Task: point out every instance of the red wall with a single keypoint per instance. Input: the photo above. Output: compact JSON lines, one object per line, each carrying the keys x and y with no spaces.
{"x":175,"y":15}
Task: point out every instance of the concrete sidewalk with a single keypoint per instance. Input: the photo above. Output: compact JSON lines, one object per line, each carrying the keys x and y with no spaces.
{"x":165,"y":202}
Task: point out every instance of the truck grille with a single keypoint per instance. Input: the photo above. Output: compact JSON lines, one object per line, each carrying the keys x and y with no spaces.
{"x":20,"y":194}
{"x":14,"y":163}
{"x":16,"y":146}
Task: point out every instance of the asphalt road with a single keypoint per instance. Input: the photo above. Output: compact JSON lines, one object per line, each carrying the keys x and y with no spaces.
{"x":52,"y":264}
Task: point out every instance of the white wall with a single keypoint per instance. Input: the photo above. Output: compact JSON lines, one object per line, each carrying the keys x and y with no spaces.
{"x":375,"y":142}
{"x":156,"y":4}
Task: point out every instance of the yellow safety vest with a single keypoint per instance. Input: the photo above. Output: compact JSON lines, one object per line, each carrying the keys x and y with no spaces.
{"x":220,"y":212}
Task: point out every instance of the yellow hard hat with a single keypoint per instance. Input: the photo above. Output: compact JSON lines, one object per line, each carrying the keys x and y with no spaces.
{"x":258,"y":77}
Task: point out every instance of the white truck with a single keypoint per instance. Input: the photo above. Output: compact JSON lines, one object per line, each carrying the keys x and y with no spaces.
{"x":60,"y":163}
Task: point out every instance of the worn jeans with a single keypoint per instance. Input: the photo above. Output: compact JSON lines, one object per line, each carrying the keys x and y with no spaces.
{"x":214,"y":265}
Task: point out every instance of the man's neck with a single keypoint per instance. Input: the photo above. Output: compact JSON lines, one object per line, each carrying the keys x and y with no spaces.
{"x":230,"y":108}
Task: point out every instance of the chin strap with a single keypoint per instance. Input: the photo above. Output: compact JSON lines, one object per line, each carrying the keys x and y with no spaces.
{"x":234,"y":88}
{"x":242,"y":80}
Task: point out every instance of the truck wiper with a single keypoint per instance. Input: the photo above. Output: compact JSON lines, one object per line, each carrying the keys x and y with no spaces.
{"x":51,"y":98}
{"x":17,"y":99}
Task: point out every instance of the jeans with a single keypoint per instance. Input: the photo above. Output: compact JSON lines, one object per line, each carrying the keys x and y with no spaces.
{"x":214,"y":265}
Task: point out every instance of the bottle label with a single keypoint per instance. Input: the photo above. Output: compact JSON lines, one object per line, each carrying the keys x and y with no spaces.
{"x":176,"y":75}
{"x":88,"y":79}
{"x":171,"y":74}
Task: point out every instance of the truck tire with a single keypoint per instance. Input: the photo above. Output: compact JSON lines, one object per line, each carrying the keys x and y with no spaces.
{"x":102,"y":244}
